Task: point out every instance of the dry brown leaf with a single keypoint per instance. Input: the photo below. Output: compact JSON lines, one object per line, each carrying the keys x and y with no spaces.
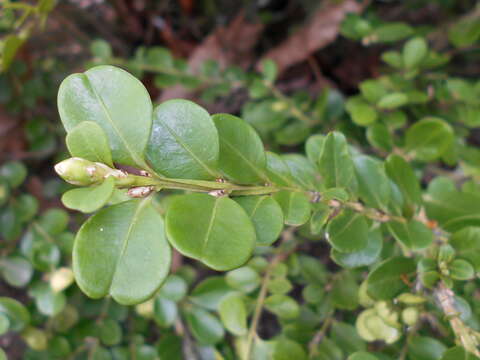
{"x":321,"y":30}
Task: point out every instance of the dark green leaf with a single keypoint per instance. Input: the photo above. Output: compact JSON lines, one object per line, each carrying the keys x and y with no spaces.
{"x":205,"y":327}
{"x":335,"y":163}
{"x":348,"y":232}
{"x":295,"y":206}
{"x":414,"y":234}
{"x":373,"y":183}
{"x":387,"y":279}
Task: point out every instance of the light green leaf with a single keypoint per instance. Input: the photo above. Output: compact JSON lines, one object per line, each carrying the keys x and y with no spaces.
{"x":278,"y":171}
{"x":115,"y":100}
{"x":266,"y":215}
{"x":242,"y":157}
{"x":429,"y":138}
{"x":335,"y":163}
{"x":362,"y":355}
{"x":16,"y":271}
{"x":11,"y":44}
{"x":464,"y":32}
{"x":373,"y":183}
{"x":116,"y":247}
{"x":379,"y":136}
{"x":209,"y":292}
{"x":244,"y":279}
{"x":387,"y":279}
{"x":233,"y":314}
{"x":362,"y":113}
{"x":205,"y":327}
{"x":165,"y":312}
{"x":87,"y":140}
{"x":466,"y":243}
{"x":348,"y":232}
{"x":295,"y":206}
{"x":89,"y":199}
{"x":425,"y":348}
{"x":16,"y":312}
{"x":414,"y":51}
{"x":286,"y":349}
{"x":285,"y":307}
{"x":184,"y":141}
{"x":392,"y":101}
{"x":414,"y":234}
{"x":216,"y":231}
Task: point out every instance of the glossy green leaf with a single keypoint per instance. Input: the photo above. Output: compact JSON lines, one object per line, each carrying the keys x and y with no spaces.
{"x":335,"y":163}
{"x":413,"y":234}
{"x":301,"y":170}
{"x":209,"y":292}
{"x":429,"y":138}
{"x":116,"y":101}
{"x":184,"y":141}
{"x":348,"y":231}
{"x":425,"y":348}
{"x":388,"y":278}
{"x":242,"y":157}
{"x":244,"y":279}
{"x":116,"y":247}
{"x":165,"y":312}
{"x":466,"y":243}
{"x":89,"y":199}
{"x":16,"y":312}
{"x":14,"y":172}
{"x":379,"y":136}
{"x":216,"y":231}
{"x":362,"y":113}
{"x":266,"y":215}
{"x":233,"y":314}
{"x":205,"y":327}
{"x":373,"y":183}
{"x":285,"y":307}
{"x":414,"y":52}
{"x":87,"y":140}
{"x":364,"y":257}
{"x":278,"y":171}
{"x":392,"y":101}
{"x":47,"y":301}
{"x":295,"y":206}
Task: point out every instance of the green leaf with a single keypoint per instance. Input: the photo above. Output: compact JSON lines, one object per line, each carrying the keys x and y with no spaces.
{"x":464,"y":33}
{"x":362,"y":355}
{"x":413,"y":234}
{"x":344,"y":291}
{"x":379,"y":136}
{"x":295,"y":206}
{"x":242,"y":157}
{"x":302,"y":171}
{"x":4,"y":325}
{"x":233,"y":314}
{"x":88,"y":141}
{"x":387,"y":279}
{"x":429,"y":138}
{"x":209,"y":292}
{"x":466,"y":243}
{"x":425,"y":348}
{"x":402,"y":174}
{"x":348,"y":231}
{"x":285,"y":307}
{"x":205,"y":327}
{"x":373,"y":183}
{"x":116,"y":247}
{"x":347,"y":338}
{"x":165,"y":312}
{"x":278,"y":171}
{"x":89,"y":199}
{"x":48,"y":302}
{"x":269,"y":70}
{"x":110,"y":332}
{"x":266,"y":215}
{"x":313,"y":147}
{"x":244,"y":279}
{"x":361,"y":112}
{"x":14,"y":172}
{"x":461,"y":270}
{"x":321,"y":213}
{"x":16,"y":271}
{"x":115,"y":100}
{"x":458,"y":352}
{"x":11,"y":44}
{"x":414,"y":51}
{"x":286,"y":349}
{"x":362,"y":257}
{"x":216,"y":231}
{"x":184,"y":141}
{"x":16,"y":312}
{"x":174,"y":288}
{"x":335,"y":163}
{"x":372,"y":89}
{"x":392,"y":101}
{"x":392,"y":31}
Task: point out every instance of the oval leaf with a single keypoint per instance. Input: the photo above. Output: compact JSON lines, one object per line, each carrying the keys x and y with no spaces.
{"x":348,"y":232}
{"x":122,"y":251}
{"x":89,"y":199}
{"x":216,"y":231}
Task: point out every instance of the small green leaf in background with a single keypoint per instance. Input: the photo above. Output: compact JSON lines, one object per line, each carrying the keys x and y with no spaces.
{"x":458,"y":352}
{"x":174,"y":288}
{"x":344,"y":291}
{"x":216,"y":231}
{"x":466,"y":243}
{"x":461,"y":270}
{"x":414,"y":51}
{"x":429,"y":138}
{"x":89,"y":199}
{"x":4,"y":324}
{"x":414,"y":234}
{"x":362,"y":355}
{"x":205,"y":327}
{"x":110,"y":332}
{"x":425,"y":348}
{"x":286,"y":349}
{"x":392,"y":31}
{"x":269,"y":70}
{"x":47,"y":301}
{"x":295,"y":206}
{"x":115,"y":100}
{"x":285,"y":307}
{"x":266,"y":215}
{"x":335,"y":163}
{"x":379,"y":136}
{"x":16,"y":271}
{"x":11,"y":44}
{"x":244,"y":279}
{"x":373,"y":183}
{"x":210,"y":291}
{"x":388,"y":278}
{"x":348,"y":231}
{"x":464,"y":32}
{"x":114,"y":238}
{"x":14,"y":172}
{"x":346,"y":336}
{"x":242,"y":157}
{"x":88,"y":141}
{"x":16,"y":312}
{"x":184,"y":141}
{"x":392,"y":101}
{"x":165,"y":312}
{"x":361,"y":112}
{"x":233,"y":314}
{"x":372,"y":90}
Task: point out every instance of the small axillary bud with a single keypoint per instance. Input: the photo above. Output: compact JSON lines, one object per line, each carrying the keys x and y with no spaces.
{"x":78,"y":171}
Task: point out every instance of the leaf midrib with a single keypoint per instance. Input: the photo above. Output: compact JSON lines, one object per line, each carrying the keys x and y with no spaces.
{"x":209,"y":229}
{"x":249,"y":163}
